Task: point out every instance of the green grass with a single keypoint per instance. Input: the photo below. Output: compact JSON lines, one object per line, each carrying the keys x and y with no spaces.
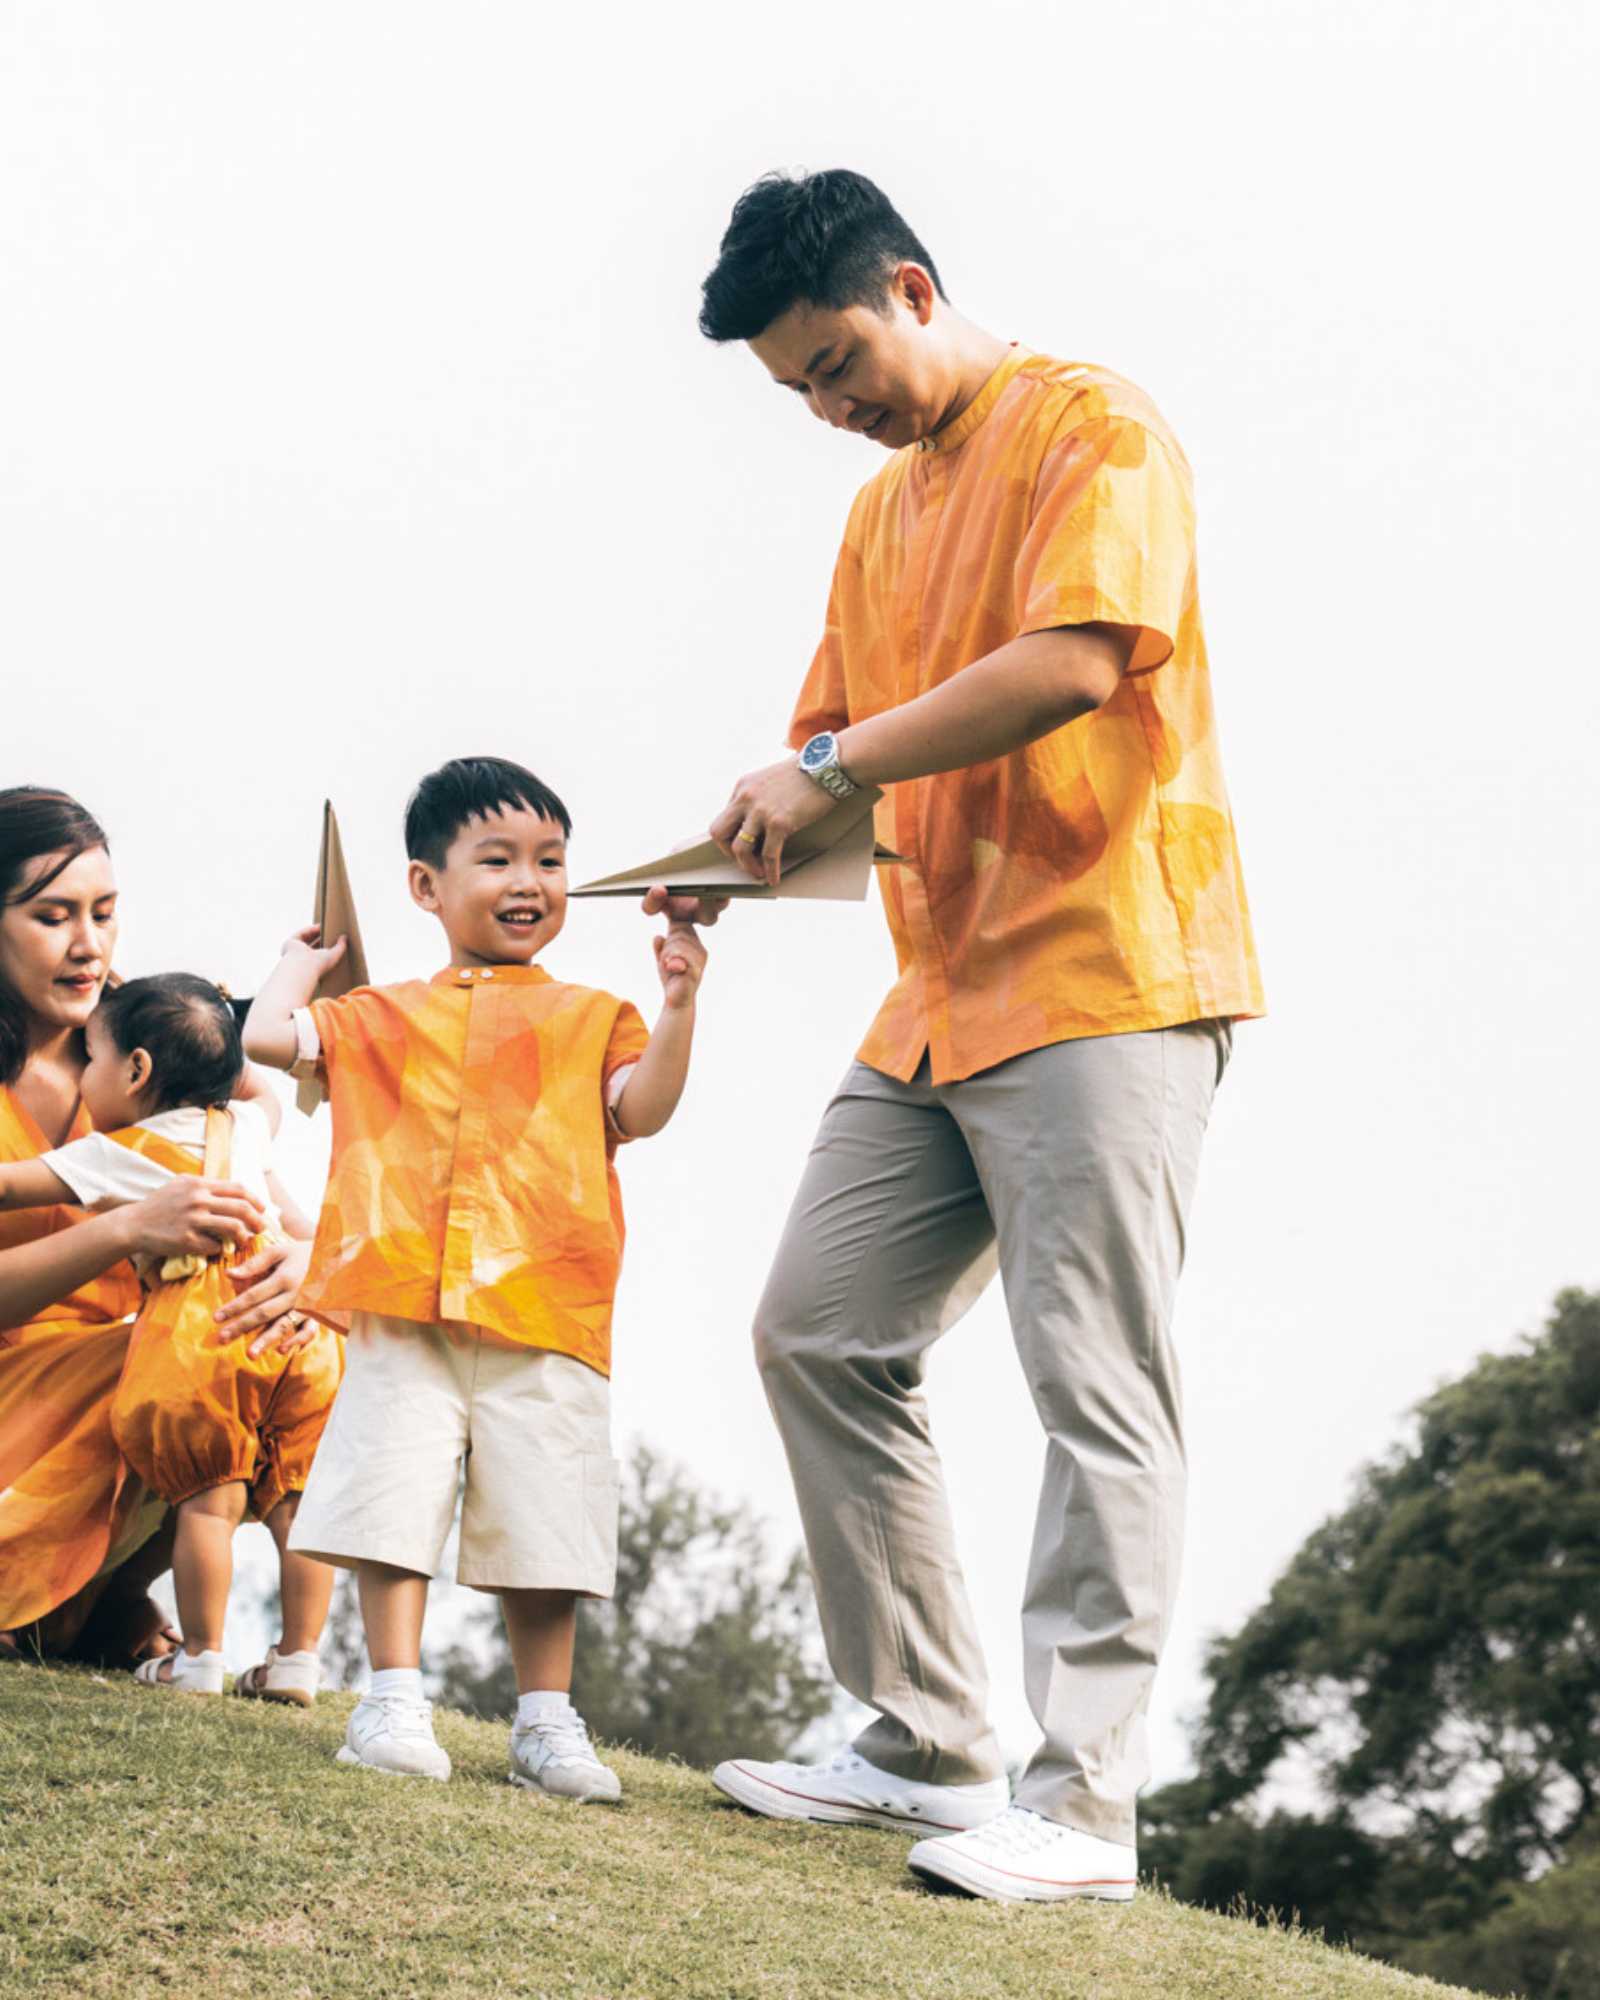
{"x":151,"y":1841}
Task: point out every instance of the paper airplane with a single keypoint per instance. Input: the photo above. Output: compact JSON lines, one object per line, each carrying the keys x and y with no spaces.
{"x":829,"y":861}
{"x":335,"y":912}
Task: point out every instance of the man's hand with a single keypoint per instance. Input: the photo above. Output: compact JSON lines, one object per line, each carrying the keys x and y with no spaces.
{"x":768,"y":807}
{"x":701,"y":910}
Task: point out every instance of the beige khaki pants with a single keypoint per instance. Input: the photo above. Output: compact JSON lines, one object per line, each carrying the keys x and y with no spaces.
{"x":425,"y":1412}
{"x":1072,"y":1167}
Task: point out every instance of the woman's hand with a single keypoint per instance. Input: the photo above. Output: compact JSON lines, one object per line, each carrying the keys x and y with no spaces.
{"x":192,"y":1218}
{"x":271,"y":1284}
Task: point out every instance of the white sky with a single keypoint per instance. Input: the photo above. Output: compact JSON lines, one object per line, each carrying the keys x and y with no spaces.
{"x":355,"y":417}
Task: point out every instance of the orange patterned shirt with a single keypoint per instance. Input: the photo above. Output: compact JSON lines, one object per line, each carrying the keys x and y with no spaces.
{"x":1089,"y":883}
{"x":472,"y":1176}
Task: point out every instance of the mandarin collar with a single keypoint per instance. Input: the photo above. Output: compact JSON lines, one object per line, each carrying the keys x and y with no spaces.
{"x":959,"y":429}
{"x":501,"y":975}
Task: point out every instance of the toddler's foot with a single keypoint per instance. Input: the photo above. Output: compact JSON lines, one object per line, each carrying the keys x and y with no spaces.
{"x":189,"y":1673}
{"x":282,"y":1677}
{"x":393,"y":1733}
{"x":553,"y":1754}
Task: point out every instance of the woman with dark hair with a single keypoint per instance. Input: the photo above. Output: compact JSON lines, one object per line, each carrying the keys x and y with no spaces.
{"x":76,"y":1548}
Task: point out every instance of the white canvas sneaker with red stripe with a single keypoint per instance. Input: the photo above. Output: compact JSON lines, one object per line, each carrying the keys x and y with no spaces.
{"x":1021,"y":1857}
{"x":848,"y":1791}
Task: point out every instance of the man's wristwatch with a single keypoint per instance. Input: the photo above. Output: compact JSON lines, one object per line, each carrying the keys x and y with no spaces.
{"x":820,"y":762}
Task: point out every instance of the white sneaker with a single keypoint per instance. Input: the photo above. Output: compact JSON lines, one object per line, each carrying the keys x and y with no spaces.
{"x":848,"y":1791}
{"x":1021,"y":1857}
{"x":554,"y":1756}
{"x":394,"y":1734}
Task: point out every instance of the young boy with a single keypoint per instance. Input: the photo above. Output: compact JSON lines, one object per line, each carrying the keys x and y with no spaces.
{"x":473,"y":1226}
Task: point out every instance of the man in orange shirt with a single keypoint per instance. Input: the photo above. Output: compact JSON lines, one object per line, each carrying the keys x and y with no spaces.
{"x":1013,"y":648}
{"x":472,"y":1227}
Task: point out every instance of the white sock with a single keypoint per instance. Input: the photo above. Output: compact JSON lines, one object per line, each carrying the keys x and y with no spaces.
{"x":539,"y":1704}
{"x":193,"y":1666}
{"x":405,"y":1681}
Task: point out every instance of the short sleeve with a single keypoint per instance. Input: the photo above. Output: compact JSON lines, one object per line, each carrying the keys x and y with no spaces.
{"x":307,"y":1046}
{"x":822,"y":703}
{"x":629,"y":1040}
{"x":1111,"y":538}
{"x":326,"y":1027}
{"x":98,"y":1170}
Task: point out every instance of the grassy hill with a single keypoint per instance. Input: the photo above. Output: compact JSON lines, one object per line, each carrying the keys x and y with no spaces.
{"x":151,"y":1842}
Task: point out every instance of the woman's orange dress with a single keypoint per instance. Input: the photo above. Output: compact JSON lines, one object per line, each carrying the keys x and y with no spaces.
{"x":68,"y":1507}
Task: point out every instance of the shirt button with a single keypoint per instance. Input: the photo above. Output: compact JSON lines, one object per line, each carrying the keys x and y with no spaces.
{"x":487,"y":973}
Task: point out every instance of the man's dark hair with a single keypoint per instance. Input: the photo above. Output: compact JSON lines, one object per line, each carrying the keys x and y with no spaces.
{"x":186,"y":1027}
{"x":829,"y":239}
{"x":469,"y":788}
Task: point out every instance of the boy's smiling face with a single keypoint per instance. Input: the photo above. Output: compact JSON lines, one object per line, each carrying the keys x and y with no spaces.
{"x":502,"y":891}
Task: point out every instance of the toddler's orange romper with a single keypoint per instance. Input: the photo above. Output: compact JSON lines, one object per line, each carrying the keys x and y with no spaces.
{"x":194,"y":1408}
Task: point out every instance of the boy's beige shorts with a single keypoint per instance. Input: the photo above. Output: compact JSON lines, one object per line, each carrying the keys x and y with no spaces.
{"x":422,"y":1405}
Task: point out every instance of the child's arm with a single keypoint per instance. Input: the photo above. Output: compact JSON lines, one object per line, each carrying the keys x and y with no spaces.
{"x":255,"y":1089}
{"x":650,"y":1096}
{"x":297,"y":1225}
{"x":31,"y":1184}
{"x":269,"y":1035}
{"x":189,"y":1217}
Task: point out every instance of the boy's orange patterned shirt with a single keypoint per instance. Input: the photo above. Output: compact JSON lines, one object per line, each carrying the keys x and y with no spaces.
{"x":1088,"y":884}
{"x":472,"y":1176}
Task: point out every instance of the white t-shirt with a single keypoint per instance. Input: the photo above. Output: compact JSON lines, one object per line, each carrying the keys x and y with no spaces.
{"x":98,"y":1170}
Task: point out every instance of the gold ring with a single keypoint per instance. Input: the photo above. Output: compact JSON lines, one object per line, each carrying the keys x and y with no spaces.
{"x":746,"y":836}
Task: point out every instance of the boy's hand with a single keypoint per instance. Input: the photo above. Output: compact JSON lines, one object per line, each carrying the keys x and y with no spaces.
{"x":681,"y":961}
{"x":307,"y":947}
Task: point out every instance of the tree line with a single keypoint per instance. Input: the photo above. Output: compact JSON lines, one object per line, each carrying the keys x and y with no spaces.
{"x":1428,"y":1664}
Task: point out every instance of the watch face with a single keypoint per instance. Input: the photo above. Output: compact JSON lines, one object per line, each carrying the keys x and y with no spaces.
{"x":816,"y":753}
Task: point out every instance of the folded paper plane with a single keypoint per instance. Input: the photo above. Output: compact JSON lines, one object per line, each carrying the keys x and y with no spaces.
{"x":830,"y":861}
{"x":335,"y":912}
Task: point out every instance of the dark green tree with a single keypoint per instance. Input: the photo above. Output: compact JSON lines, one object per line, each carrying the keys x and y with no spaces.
{"x":1431,"y":1660}
{"x":708,"y":1648}
{"x":1543,"y":1938}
